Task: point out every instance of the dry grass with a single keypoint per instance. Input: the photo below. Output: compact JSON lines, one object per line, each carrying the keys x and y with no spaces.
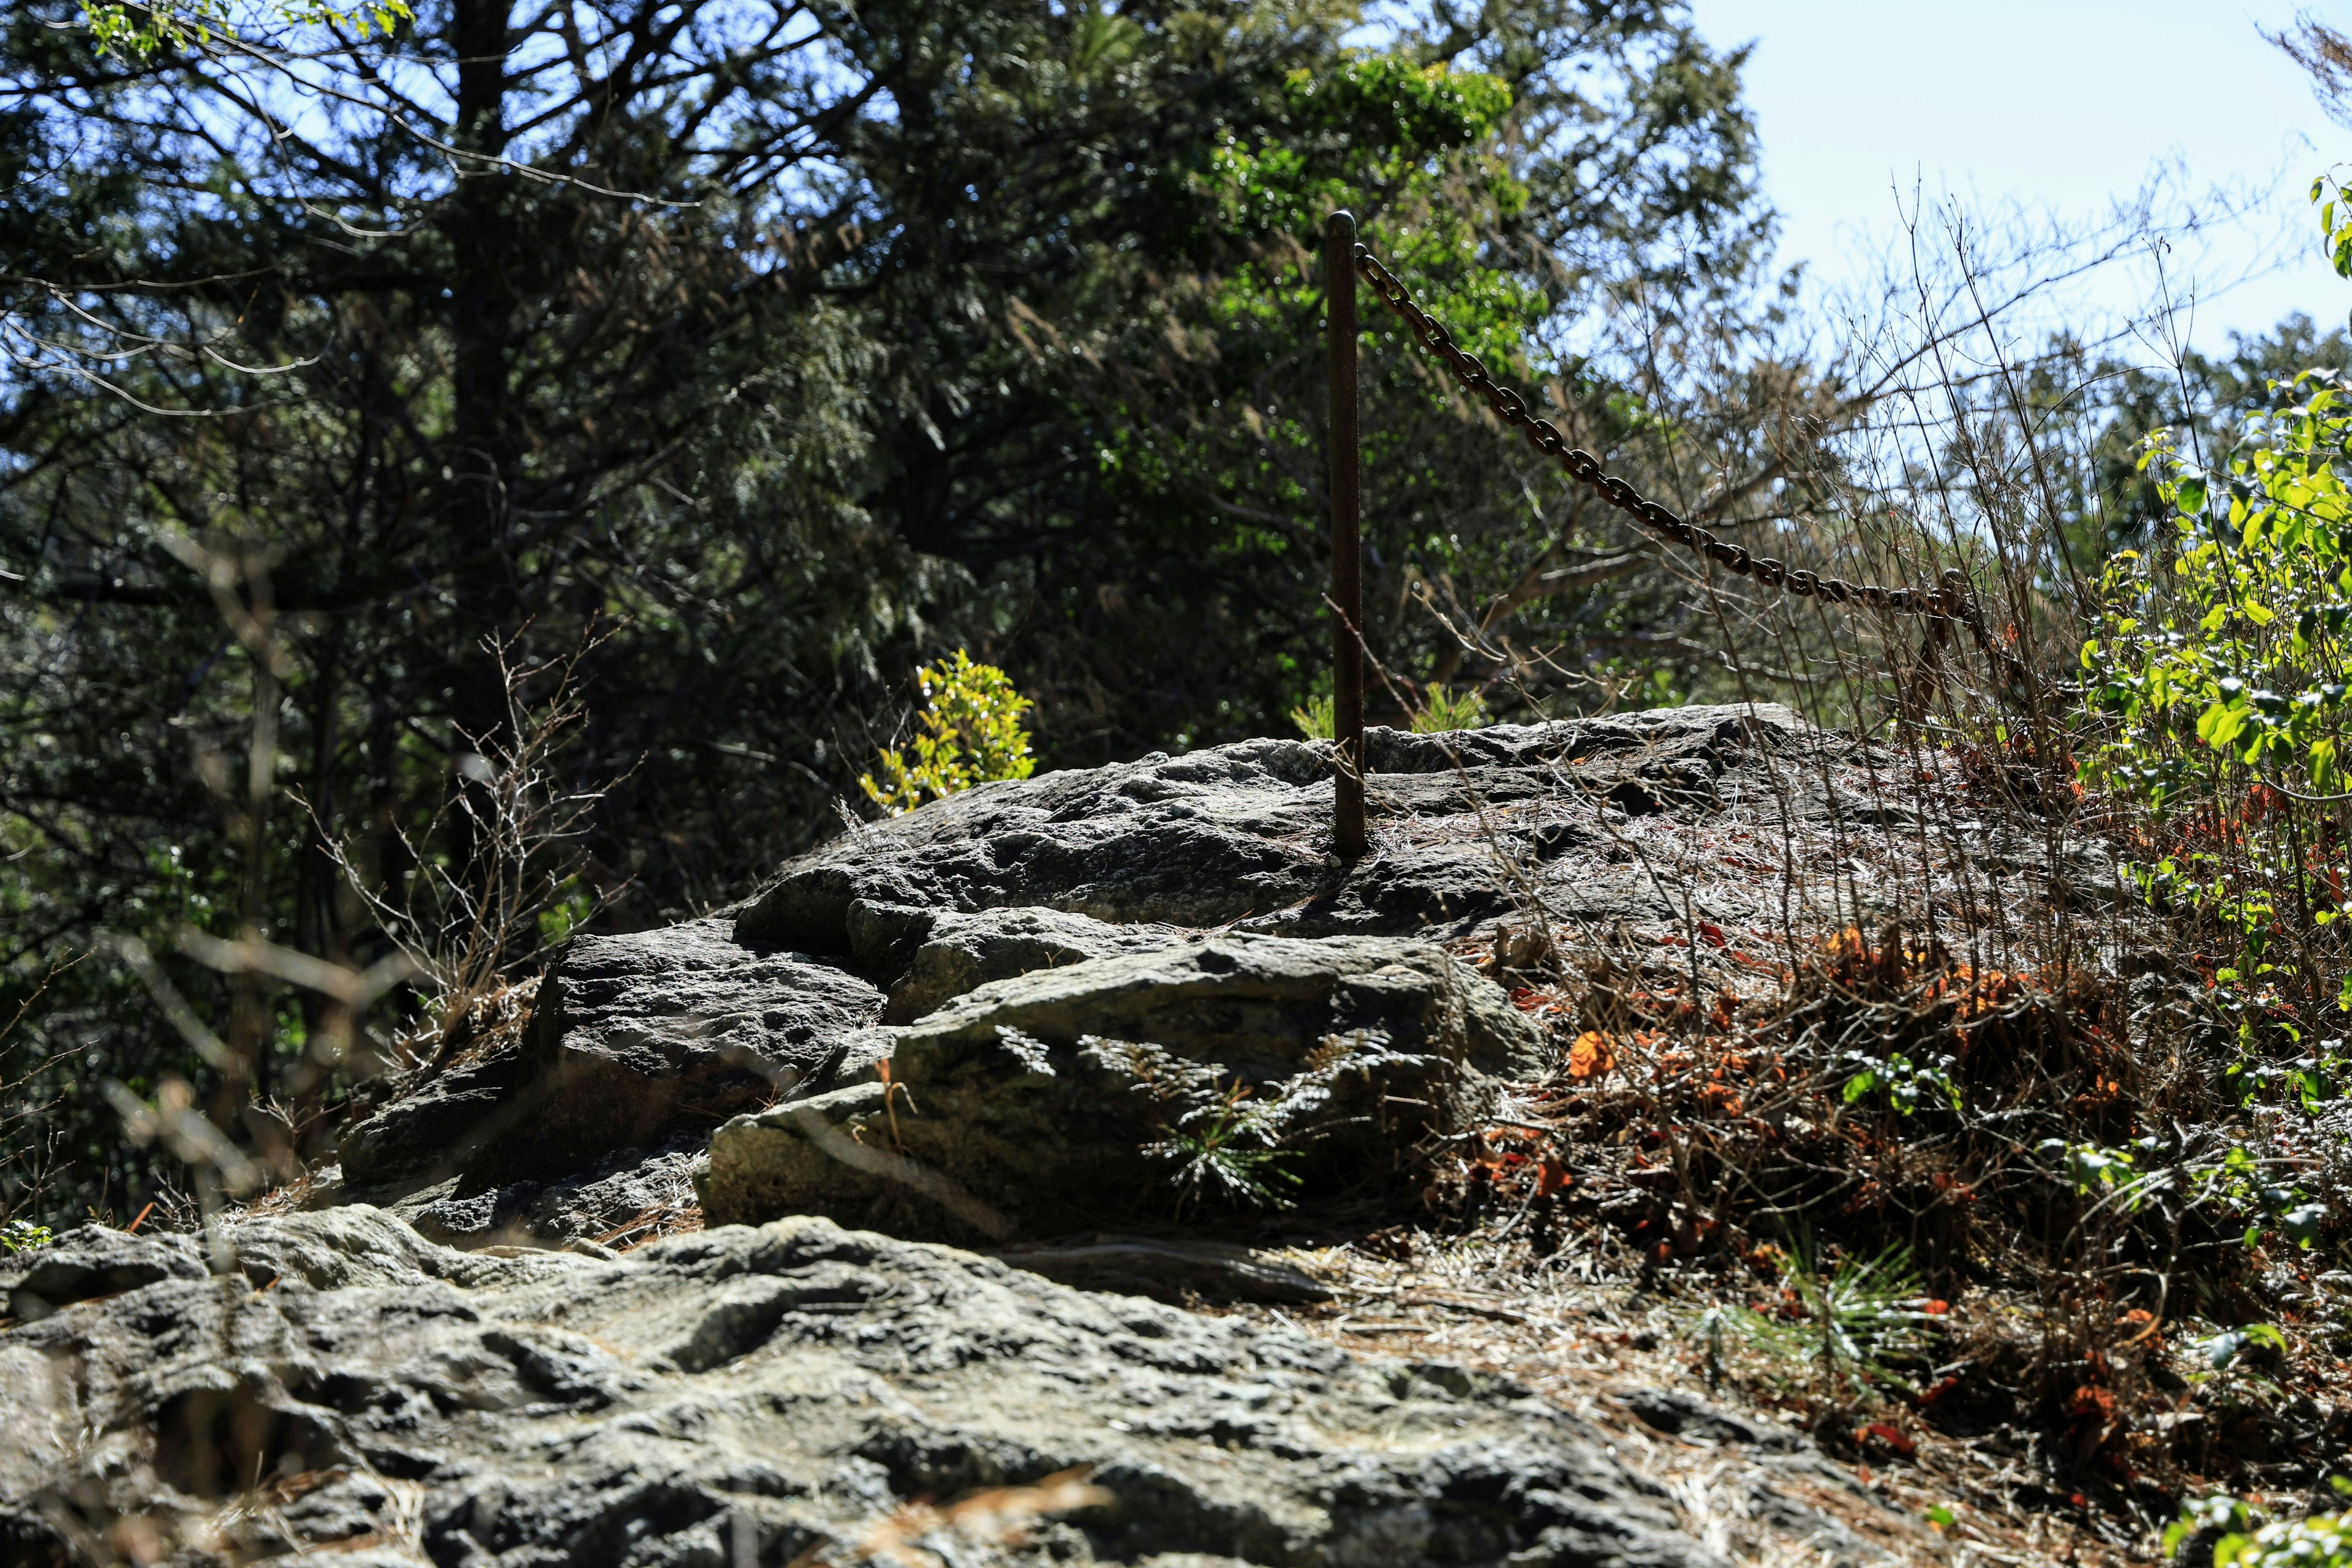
{"x":1650,"y":1212}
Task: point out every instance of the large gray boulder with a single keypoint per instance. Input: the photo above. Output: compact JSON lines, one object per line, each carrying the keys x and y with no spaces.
{"x":747,"y":1396}
{"x":1665,"y":828}
{"x":636,"y":1035}
{"x":1467,"y":828}
{"x":1051,"y":1099}
{"x":632,"y":1038}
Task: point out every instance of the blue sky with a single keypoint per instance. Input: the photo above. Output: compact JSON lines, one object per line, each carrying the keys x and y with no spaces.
{"x":2060,"y":107}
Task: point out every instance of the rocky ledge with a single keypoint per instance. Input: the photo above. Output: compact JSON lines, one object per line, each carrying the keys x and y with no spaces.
{"x":739,"y":1396}
{"x":1016,"y":960}
{"x":1034,"y":1018}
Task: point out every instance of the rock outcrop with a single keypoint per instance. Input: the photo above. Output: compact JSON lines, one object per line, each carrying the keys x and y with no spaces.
{"x":642,"y":1045}
{"x":1468,"y":826}
{"x":1036,"y":1009}
{"x":633,"y":1039}
{"x":744,"y":1396}
{"x":1055,"y":1100}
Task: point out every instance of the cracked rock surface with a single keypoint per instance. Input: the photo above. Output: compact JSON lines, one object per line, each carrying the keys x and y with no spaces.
{"x":1241,"y":834}
{"x":744,"y":1395}
{"x":633,"y":1039}
{"x":1718,"y":825}
{"x":1035,"y":1095}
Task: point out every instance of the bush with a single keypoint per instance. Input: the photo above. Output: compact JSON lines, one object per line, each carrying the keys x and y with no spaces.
{"x":2323,"y":1541}
{"x":971,"y":734}
{"x":2222,"y":675}
{"x":1440,"y":710}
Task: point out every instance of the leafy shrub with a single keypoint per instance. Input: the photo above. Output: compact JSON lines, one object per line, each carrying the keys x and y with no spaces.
{"x":2323,"y":1541}
{"x":970,"y":734}
{"x":2222,"y":674}
{"x":23,"y":1235}
{"x":1440,"y":710}
{"x":2219,"y":675}
{"x":1317,"y":719}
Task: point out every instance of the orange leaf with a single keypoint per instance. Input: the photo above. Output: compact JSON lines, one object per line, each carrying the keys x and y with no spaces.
{"x":1592,"y":1054}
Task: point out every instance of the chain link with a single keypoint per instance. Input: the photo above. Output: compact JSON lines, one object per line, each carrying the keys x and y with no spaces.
{"x":1953,"y":601}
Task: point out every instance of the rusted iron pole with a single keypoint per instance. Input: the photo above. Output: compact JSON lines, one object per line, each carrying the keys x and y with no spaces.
{"x":1347,"y":562}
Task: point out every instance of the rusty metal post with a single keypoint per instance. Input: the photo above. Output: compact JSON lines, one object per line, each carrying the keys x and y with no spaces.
{"x":1346,"y":561}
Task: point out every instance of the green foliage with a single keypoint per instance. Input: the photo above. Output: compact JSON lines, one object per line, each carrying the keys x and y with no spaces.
{"x":971,"y":734}
{"x":2248,"y":1540}
{"x":2230,"y":1188}
{"x":1219,"y":1141}
{"x":2243,"y":646}
{"x":1423,"y":136}
{"x":1316,"y":719}
{"x":1904,"y":1083}
{"x":2217,"y":687}
{"x":1224,"y":1139}
{"x":568,"y":908}
{"x":138,"y":31}
{"x":2333,"y":199}
{"x":23,"y":1235}
{"x":1441,"y":709}
{"x":1858,"y":1323}
{"x":1227,"y":1151}
{"x":2220,"y":1351}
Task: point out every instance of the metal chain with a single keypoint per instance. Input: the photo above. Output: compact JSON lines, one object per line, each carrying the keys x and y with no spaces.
{"x":1953,"y":602}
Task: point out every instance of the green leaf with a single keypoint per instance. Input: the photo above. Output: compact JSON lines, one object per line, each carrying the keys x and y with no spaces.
{"x":2220,"y":725}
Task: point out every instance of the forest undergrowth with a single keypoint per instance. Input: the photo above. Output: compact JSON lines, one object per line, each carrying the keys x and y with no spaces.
{"x":2028,"y":1198}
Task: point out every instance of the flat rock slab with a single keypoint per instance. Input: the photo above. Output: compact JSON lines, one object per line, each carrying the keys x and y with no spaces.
{"x":1255,"y":1006}
{"x":1177,"y":1270}
{"x":1061,"y":1098}
{"x":1466,"y":826}
{"x":952,"y":952}
{"x":749,"y":1395}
